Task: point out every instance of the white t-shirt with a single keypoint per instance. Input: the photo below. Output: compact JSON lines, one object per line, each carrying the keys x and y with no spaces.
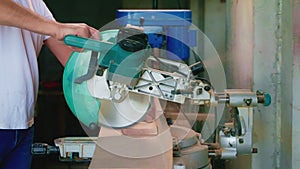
{"x":19,"y":70}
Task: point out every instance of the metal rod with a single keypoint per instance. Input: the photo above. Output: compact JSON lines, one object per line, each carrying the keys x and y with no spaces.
{"x":222,"y":97}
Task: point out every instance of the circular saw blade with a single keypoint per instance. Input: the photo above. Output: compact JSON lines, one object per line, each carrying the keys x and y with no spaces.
{"x":123,"y":114}
{"x":93,"y":111}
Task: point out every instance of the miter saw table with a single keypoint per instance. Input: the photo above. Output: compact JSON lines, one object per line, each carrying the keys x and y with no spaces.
{"x":122,"y":84}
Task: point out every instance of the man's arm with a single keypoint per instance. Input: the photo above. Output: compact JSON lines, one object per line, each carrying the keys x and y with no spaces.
{"x":12,"y":14}
{"x":59,"y":49}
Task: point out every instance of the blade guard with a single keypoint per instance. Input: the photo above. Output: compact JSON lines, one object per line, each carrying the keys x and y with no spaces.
{"x":82,"y":104}
{"x":87,"y":110}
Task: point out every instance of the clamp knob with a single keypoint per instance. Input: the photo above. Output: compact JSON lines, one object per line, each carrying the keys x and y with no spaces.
{"x":264,"y":98}
{"x":267,"y":99}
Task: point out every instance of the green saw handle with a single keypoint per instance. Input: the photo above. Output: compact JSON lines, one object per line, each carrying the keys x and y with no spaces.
{"x":85,"y":43}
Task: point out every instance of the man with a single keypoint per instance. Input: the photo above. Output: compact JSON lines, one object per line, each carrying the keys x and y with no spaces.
{"x":25,"y":25}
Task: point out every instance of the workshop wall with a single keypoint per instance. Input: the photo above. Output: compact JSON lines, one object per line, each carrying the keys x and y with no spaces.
{"x":296,"y":81}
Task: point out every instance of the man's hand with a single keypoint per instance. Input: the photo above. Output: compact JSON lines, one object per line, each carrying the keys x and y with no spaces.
{"x":79,"y":29}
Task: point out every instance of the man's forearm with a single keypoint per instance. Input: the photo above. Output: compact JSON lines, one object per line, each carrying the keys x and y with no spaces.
{"x":12,"y":14}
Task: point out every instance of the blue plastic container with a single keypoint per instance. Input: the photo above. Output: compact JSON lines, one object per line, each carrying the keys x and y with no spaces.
{"x":174,"y":24}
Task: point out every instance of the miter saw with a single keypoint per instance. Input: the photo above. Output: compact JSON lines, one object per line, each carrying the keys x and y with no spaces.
{"x":113,"y":82}
{"x":121,"y":77}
